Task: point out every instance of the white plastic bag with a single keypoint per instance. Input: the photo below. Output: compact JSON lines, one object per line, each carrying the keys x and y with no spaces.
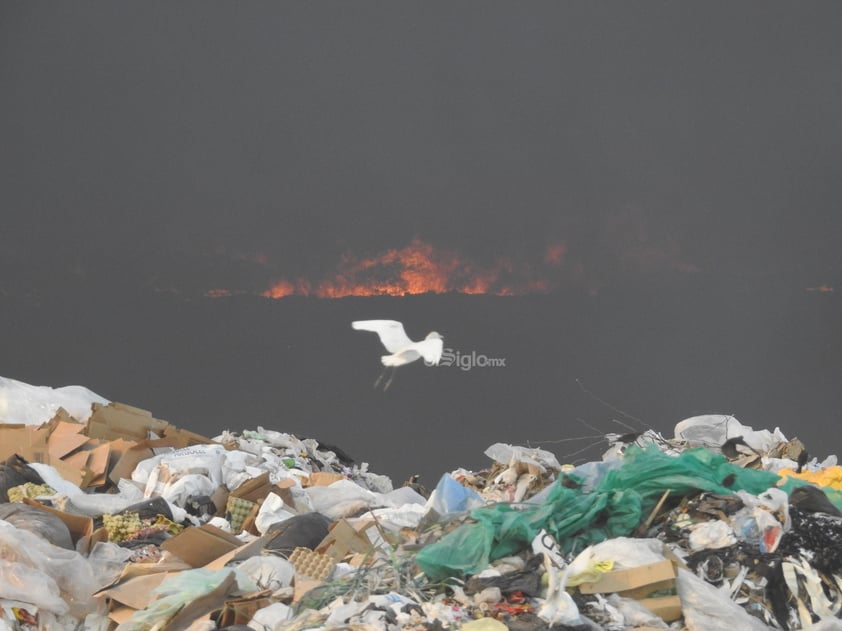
{"x":711,"y":535}
{"x":26,"y":557}
{"x":707,"y":608}
{"x":341,"y":499}
{"x":268,"y":572}
{"x":270,"y":618}
{"x":272,"y":510}
{"x":34,"y":405}
{"x":510,"y":454}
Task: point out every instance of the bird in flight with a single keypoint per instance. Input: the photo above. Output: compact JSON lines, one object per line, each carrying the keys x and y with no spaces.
{"x":403,"y":350}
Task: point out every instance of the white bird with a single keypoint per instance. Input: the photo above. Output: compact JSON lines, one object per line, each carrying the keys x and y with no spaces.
{"x":403,"y":350}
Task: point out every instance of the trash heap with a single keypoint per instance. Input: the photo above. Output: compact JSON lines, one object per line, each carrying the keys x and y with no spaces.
{"x":113,"y":519}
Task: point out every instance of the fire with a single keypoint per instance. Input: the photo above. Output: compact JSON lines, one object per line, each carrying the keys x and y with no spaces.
{"x":419,"y":268}
{"x":822,"y":289}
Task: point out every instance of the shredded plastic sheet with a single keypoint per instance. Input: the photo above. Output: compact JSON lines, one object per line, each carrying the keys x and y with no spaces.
{"x":621,"y":499}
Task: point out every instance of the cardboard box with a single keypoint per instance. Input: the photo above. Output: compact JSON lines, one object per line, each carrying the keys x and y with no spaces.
{"x":668,"y":608}
{"x":638,"y":583}
{"x":199,"y":545}
{"x":242,"y":610}
{"x":344,"y":539}
{"x":649,"y":577}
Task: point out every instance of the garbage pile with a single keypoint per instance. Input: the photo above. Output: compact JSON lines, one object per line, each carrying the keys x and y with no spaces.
{"x":113,"y":519}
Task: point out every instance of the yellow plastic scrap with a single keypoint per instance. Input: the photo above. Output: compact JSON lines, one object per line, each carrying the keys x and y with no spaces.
{"x":829,"y":476}
{"x":162,"y":523}
{"x":121,"y":527}
{"x":589,"y":573}
{"x":30,"y":489}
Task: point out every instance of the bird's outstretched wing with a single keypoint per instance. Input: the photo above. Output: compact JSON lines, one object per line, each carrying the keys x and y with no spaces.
{"x":391,"y":333}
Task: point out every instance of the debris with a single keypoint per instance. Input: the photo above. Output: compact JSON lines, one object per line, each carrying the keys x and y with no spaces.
{"x":114,"y":519}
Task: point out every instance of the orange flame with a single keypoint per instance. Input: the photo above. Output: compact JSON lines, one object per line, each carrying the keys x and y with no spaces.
{"x":419,"y":269}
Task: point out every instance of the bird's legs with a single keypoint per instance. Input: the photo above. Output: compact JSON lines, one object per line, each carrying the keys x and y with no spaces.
{"x":391,"y":376}
{"x":391,"y":372}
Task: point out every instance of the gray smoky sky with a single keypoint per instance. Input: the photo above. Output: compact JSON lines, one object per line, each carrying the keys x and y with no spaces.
{"x":196,"y":145}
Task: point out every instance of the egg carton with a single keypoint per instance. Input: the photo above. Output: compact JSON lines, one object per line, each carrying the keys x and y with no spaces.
{"x":312,"y":564}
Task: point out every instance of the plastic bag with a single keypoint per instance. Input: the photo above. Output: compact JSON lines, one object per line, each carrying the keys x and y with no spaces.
{"x":707,"y":608}
{"x":710,"y":535}
{"x":272,"y":511}
{"x":450,"y":497}
{"x":95,"y":504}
{"x":506,"y":454}
{"x":107,"y":561}
{"x":154,"y":471}
{"x":268,"y":572}
{"x":270,"y":618}
{"x":69,"y":571}
{"x":173,"y":594}
{"x":30,"y":585}
{"x":51,"y":476}
{"x":34,"y":405}
{"x":305,"y":531}
{"x":341,"y":499}
{"x":712,"y":430}
{"x":39,"y":522}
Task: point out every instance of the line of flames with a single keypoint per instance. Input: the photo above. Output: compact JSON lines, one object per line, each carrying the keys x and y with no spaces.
{"x":419,"y":268}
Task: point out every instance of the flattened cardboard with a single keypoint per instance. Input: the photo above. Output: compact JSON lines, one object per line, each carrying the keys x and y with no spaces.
{"x":302,"y":586}
{"x":128,"y":460}
{"x":178,"y":438}
{"x":167,"y":564}
{"x":65,"y":438}
{"x":135,"y":592}
{"x":199,"y":545}
{"x":98,"y":464}
{"x":121,"y":614}
{"x":254,"y":489}
{"x":76,"y":466}
{"x":118,"y":420}
{"x":323,"y":478}
{"x":28,"y":441}
{"x":282,"y":490}
{"x":220,"y":499}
